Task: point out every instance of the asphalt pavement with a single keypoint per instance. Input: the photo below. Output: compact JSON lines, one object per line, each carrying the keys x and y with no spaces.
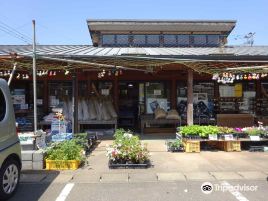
{"x":143,"y":191}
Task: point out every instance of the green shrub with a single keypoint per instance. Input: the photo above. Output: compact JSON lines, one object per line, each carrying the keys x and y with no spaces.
{"x":67,"y":150}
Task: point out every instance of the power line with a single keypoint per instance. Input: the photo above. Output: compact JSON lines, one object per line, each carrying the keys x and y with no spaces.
{"x":9,"y":27}
{"x":12,"y":32}
{"x":14,"y":35}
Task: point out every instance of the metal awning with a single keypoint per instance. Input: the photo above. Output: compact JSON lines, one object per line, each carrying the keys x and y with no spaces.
{"x":203,"y":60}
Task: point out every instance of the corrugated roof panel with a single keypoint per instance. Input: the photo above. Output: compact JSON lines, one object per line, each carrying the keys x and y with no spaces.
{"x":86,"y":50}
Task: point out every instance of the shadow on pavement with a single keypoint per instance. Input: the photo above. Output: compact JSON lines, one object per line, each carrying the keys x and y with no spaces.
{"x":33,"y":184}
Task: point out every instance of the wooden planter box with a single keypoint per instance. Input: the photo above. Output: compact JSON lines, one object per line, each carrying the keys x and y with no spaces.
{"x":62,"y":164}
{"x":113,"y":165}
{"x":232,"y":146}
{"x":191,"y":146}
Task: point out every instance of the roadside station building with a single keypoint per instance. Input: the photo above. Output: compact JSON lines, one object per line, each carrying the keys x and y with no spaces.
{"x":134,"y":66}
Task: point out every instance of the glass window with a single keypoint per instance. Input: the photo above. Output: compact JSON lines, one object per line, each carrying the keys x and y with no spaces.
{"x":157,"y":95}
{"x":200,"y":40}
{"x":59,"y":92}
{"x":122,"y":40}
{"x":139,"y":40}
{"x":170,"y":40}
{"x":108,"y":39}
{"x":153,"y":40}
{"x":213,"y":40}
{"x":183,"y":40}
{"x":2,"y":106}
{"x":203,"y":95}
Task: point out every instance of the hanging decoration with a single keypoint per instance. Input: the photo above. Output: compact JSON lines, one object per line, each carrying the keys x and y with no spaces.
{"x":113,"y":71}
{"x":228,"y":77}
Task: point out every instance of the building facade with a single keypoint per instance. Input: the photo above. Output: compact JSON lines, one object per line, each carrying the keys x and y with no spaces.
{"x":142,"y":64}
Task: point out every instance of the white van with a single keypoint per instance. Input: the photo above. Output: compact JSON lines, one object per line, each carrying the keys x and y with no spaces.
{"x":10,"y":150}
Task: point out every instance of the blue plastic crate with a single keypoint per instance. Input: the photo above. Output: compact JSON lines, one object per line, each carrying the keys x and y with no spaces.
{"x":61,"y":137}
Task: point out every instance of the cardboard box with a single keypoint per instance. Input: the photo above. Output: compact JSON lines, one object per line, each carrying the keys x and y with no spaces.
{"x":18,"y":99}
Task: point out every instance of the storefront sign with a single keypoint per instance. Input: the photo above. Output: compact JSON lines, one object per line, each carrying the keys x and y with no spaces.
{"x":255,"y":138}
{"x":157,"y":92}
{"x":212,"y":137}
{"x":228,"y":137}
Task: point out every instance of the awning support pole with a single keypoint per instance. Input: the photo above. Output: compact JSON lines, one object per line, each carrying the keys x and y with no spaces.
{"x":190,"y":117}
{"x":75,"y":102}
{"x":34,"y":78}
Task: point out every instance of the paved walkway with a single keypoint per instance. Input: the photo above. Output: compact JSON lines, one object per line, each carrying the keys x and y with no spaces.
{"x":205,"y":166}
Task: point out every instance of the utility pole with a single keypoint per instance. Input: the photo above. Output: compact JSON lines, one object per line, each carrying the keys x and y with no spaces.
{"x":34,"y":78}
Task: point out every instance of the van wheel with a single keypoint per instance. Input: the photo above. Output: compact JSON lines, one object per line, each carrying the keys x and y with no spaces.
{"x":9,"y":178}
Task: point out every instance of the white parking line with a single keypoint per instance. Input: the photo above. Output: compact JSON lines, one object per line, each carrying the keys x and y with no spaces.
{"x":65,"y":192}
{"x":235,"y":193}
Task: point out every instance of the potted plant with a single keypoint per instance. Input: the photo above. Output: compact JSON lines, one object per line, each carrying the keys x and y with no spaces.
{"x":190,"y":132}
{"x":64,"y":155}
{"x":127,"y":151}
{"x":254,"y":132}
{"x":209,"y":132}
{"x":225,"y":131}
{"x":175,"y":145}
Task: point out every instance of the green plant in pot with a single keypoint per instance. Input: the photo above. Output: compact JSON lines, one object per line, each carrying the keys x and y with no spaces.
{"x":127,"y":149}
{"x":175,"y":145}
{"x":205,"y":131}
{"x":254,"y":131}
{"x":63,"y":153}
{"x":190,"y":131}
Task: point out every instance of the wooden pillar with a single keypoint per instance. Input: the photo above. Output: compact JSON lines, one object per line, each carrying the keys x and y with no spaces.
{"x":258,"y":88}
{"x":75,"y":102}
{"x":45,"y":97}
{"x":190,"y":116}
{"x":173,"y":93}
{"x":116,"y":92}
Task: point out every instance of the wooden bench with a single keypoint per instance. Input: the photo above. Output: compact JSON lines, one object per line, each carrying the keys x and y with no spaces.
{"x":149,"y":119}
{"x":98,"y":122}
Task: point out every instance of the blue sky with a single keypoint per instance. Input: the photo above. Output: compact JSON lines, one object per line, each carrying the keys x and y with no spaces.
{"x":64,"y":22}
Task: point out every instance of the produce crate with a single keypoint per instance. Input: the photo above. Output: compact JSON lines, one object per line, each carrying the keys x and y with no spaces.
{"x":191,"y":146}
{"x":62,"y":164}
{"x":232,"y":146}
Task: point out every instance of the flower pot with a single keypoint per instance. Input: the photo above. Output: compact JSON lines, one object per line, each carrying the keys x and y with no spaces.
{"x":62,"y":164}
{"x":176,"y":149}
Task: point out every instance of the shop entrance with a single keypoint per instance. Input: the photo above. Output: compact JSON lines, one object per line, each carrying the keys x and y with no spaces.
{"x":128,"y":105}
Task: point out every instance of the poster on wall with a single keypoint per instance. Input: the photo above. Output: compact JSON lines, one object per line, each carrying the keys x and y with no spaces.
{"x":153,"y":103}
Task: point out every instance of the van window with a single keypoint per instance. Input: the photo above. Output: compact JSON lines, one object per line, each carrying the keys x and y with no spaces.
{"x":2,"y":106}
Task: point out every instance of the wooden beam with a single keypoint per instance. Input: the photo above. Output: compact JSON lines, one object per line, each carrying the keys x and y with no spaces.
{"x":45,"y":97}
{"x":75,"y":102}
{"x":116,"y":92}
{"x":190,"y":117}
{"x":173,"y":93}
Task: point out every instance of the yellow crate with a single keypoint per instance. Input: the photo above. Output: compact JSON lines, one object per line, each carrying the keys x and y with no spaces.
{"x":62,"y":164}
{"x":191,"y":146}
{"x":232,"y":146}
